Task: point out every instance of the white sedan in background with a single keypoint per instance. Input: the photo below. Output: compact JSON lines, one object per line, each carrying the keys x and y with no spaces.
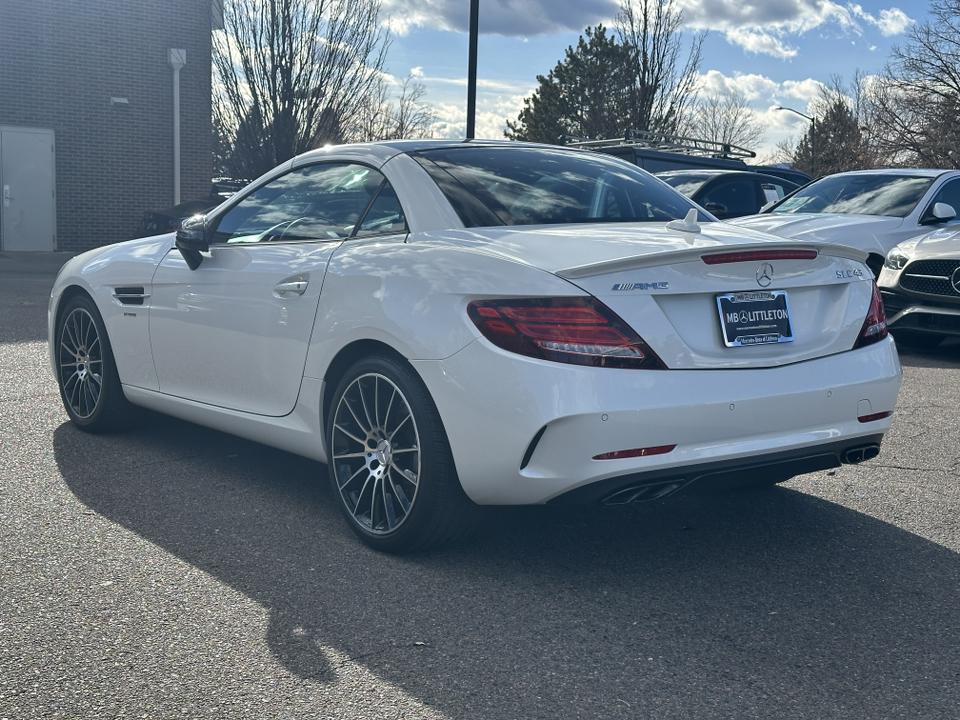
{"x":453,"y":324}
{"x":872,"y":210}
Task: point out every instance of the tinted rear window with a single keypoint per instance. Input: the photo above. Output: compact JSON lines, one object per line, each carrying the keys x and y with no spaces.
{"x":534,"y":186}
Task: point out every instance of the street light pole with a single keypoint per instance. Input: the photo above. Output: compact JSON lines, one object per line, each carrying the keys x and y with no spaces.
{"x":177,"y":59}
{"x":472,"y":70}
{"x":813,"y":137}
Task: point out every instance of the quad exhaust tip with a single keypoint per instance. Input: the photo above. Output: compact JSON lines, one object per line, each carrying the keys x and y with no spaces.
{"x":854,"y":455}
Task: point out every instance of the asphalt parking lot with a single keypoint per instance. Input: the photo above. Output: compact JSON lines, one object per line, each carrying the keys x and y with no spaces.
{"x":170,"y":571}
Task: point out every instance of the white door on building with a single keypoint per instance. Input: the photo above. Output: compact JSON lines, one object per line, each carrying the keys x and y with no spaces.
{"x":28,"y":216}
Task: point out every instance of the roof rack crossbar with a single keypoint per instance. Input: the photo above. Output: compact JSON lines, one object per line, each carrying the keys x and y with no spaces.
{"x":666,"y":143}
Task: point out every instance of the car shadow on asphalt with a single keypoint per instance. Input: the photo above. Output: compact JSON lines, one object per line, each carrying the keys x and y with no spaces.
{"x":767,"y":603}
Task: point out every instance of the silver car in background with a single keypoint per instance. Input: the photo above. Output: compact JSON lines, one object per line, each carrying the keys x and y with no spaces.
{"x":870,"y":210}
{"x":920,"y":286}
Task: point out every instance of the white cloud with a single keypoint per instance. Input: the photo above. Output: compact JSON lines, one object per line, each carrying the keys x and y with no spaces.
{"x":759,"y":42}
{"x":500,"y":17}
{"x":493,"y":111}
{"x":894,"y":22}
{"x":752,"y":86}
{"x":795,"y":16}
{"x":482,"y":84}
{"x":806,"y":90}
{"x":764,"y":27}
{"x":890,"y":22}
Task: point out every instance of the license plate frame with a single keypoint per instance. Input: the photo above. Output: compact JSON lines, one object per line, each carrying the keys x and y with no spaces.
{"x":755,"y":317}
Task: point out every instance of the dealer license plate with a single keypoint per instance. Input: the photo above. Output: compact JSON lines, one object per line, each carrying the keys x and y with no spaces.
{"x":755,"y":317}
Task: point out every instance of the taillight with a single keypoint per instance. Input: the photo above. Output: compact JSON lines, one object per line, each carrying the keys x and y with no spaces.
{"x":581,"y":331}
{"x":875,"y":326}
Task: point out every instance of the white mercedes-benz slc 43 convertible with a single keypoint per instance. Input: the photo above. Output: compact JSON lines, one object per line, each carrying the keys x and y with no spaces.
{"x":454,"y":324}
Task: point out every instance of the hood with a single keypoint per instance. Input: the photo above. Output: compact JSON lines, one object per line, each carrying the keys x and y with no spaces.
{"x":939,"y":244}
{"x":557,"y":248}
{"x":820,"y":227}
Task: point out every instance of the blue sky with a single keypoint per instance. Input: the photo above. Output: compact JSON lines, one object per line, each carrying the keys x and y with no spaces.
{"x":775,"y":51}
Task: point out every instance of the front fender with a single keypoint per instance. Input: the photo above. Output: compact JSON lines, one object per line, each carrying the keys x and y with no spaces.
{"x":98,"y":273}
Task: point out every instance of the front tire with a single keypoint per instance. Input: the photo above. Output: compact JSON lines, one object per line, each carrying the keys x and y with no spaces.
{"x":86,"y":371}
{"x":390,"y":464}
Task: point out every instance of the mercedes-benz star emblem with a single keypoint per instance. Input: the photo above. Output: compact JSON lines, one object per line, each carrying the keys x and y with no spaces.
{"x":955,"y":280}
{"x":765,"y":275}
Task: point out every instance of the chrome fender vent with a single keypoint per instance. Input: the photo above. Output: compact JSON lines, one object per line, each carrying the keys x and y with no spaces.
{"x":130,"y":295}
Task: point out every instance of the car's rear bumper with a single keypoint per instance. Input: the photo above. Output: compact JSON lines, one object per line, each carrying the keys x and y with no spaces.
{"x":762,"y":469}
{"x":526,"y":431}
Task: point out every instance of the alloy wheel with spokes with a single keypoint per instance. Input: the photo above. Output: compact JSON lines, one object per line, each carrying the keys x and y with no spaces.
{"x":376,"y":453}
{"x":86,"y":372}
{"x":389,"y":459}
{"x":80,"y":360}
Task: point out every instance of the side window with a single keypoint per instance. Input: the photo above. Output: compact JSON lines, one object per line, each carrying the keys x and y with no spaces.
{"x":385,"y":214}
{"x":772,"y":192}
{"x":949,"y":194}
{"x":318,"y":202}
{"x":739,"y":197}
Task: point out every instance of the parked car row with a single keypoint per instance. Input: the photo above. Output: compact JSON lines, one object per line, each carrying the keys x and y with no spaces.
{"x":155,"y":222}
{"x":904,"y":219}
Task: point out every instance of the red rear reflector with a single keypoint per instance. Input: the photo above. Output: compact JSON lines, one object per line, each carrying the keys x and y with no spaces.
{"x":875,"y":416}
{"x":757,"y":255}
{"x":636,"y":452}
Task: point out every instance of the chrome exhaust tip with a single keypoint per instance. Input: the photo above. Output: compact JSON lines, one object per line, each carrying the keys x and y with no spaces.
{"x":860,"y":453}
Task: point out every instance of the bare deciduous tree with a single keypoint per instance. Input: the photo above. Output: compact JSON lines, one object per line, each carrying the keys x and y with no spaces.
{"x":915,"y":105}
{"x":290,"y":75}
{"x":727,"y":118}
{"x":662,"y":88}
{"x":410,"y":117}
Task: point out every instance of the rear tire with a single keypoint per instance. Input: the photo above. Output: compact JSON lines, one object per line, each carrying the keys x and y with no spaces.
{"x":86,"y":371}
{"x":390,"y":464}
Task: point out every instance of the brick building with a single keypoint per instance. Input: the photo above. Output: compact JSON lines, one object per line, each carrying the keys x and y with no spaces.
{"x":97,"y":73}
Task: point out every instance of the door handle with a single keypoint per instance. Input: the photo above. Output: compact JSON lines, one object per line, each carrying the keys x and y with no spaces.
{"x":6,"y":196}
{"x":295,"y":285}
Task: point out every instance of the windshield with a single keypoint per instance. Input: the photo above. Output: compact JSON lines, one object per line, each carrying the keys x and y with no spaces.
{"x":893,"y":195}
{"x":532,"y":186}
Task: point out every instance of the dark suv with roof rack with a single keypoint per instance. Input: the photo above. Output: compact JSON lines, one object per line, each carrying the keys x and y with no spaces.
{"x":728,"y":193}
{"x":658,"y":152}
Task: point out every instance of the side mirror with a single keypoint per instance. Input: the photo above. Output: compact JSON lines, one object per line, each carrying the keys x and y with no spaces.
{"x":940,"y":212}
{"x":192,"y":240}
{"x":943,"y":211}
